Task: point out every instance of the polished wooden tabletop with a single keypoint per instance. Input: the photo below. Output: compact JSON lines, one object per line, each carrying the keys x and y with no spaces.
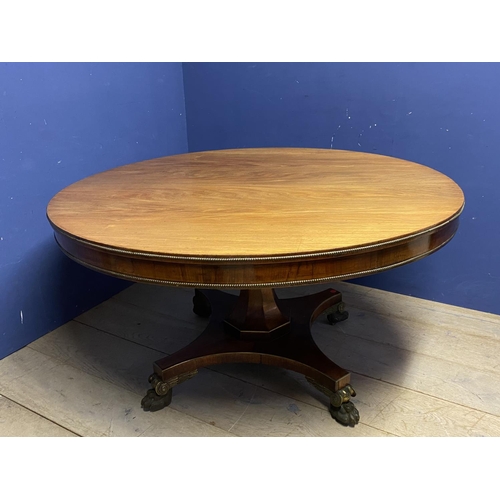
{"x":255,"y":206}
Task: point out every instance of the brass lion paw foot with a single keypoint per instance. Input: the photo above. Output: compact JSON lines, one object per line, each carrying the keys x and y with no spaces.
{"x":347,"y":414}
{"x":153,"y":402}
{"x":337,"y":313}
{"x":342,"y":409}
{"x":160,"y":395}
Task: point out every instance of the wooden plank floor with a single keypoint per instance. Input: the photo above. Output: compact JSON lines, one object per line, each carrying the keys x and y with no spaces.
{"x":419,"y":368}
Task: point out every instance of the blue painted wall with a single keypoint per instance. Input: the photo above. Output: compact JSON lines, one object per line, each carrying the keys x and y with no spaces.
{"x":446,"y":116}
{"x":60,"y":123}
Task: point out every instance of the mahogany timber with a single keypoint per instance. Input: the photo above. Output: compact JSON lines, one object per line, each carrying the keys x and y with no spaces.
{"x":256,"y":217}
{"x":256,"y":314}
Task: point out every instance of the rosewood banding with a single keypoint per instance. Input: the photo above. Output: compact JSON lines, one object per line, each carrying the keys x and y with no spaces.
{"x":247,"y":273}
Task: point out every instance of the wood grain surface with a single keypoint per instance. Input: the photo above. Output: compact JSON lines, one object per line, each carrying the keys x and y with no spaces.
{"x":194,"y":218}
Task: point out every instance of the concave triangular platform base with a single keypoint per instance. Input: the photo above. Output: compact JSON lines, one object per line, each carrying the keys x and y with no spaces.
{"x":257,"y":327}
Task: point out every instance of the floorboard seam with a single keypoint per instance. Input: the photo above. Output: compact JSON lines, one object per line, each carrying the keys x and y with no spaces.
{"x":426,"y":394}
{"x":120,"y":337}
{"x":485,"y":370}
{"x":40,"y":415}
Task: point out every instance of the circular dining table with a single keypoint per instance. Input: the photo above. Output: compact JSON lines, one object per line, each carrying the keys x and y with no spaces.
{"x":257,"y":220}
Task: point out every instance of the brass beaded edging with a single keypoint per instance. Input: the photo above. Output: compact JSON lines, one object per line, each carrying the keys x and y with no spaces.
{"x":129,"y":277}
{"x":252,"y":259}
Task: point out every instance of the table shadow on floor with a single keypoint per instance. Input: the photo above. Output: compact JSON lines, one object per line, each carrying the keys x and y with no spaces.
{"x":353,"y":344}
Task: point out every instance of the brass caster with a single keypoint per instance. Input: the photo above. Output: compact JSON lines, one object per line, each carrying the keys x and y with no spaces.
{"x":342,"y":409}
{"x":160,"y":387}
{"x":160,"y":395}
{"x":342,"y":395}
